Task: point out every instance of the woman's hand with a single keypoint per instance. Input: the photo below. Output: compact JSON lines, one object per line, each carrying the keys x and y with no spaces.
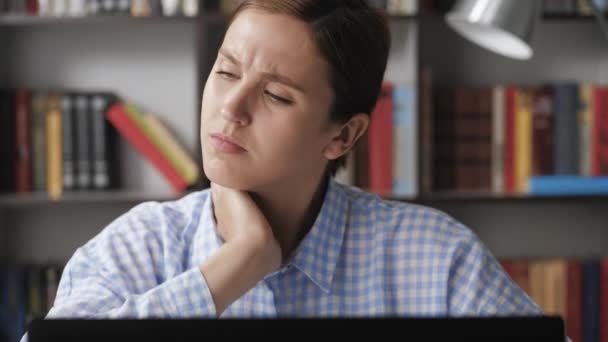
{"x":249,"y":253}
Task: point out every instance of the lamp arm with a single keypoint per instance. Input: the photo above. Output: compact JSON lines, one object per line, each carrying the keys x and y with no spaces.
{"x":601,"y":19}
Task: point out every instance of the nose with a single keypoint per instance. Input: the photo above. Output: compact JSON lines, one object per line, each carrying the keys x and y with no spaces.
{"x":235,"y":108}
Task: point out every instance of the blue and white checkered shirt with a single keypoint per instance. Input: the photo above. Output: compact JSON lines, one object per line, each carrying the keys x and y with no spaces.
{"x":364,"y":256}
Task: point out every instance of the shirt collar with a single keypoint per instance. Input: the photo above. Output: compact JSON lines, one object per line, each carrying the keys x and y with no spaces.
{"x":319,"y":252}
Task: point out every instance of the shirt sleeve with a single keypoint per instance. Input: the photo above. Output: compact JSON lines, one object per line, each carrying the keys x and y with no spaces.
{"x":135,"y":268}
{"x":478,"y":285}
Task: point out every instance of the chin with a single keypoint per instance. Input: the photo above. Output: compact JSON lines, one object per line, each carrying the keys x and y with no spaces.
{"x":228,"y":177}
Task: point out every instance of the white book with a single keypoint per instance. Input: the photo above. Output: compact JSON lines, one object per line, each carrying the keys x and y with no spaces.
{"x":60,"y":8}
{"x":170,"y":7}
{"x":77,"y":8}
{"x":408,"y":7}
{"x":190,"y":8}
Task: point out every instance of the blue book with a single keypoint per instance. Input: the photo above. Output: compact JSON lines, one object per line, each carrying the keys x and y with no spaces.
{"x":567,"y":185}
{"x":566,"y":105}
{"x":591,"y":300}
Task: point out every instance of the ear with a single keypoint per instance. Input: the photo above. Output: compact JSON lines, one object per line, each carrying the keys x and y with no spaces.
{"x":347,"y":136}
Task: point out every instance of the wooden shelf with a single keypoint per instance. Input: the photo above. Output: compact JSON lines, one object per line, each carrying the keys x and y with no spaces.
{"x":450,"y":196}
{"x":569,"y":17}
{"x":25,"y":20}
{"x":88,"y":197}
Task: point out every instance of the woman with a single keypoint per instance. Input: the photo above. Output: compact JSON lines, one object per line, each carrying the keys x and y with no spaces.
{"x":290,"y":94}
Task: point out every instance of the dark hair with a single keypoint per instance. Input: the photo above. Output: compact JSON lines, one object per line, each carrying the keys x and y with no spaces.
{"x":354,"y":38}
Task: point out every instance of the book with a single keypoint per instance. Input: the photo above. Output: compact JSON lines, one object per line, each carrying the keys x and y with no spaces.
{"x":104,"y":145}
{"x":69,"y":142}
{"x":83,"y":141}
{"x":7,"y":141}
{"x":54,"y":147}
{"x":38,"y":105}
{"x":380,"y":143}
{"x":23,"y":142}
{"x":176,"y":154}
{"x":405,"y":149}
{"x":131,"y":131}
{"x":568,"y":185}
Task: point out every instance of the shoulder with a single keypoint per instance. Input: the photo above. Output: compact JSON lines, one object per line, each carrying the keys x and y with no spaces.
{"x":402,"y":222}
{"x":151,"y":224}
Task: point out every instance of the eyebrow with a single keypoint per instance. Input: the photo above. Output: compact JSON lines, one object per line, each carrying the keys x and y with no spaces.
{"x":267,"y":75}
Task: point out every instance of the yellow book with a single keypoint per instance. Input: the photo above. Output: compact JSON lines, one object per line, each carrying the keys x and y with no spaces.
{"x":555,"y":287}
{"x":523,"y":139}
{"x":139,"y":119}
{"x":178,"y":156}
{"x":537,"y":282}
{"x":54,"y":148}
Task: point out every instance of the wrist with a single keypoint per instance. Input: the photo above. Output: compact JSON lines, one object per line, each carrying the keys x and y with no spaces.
{"x":262,"y":251}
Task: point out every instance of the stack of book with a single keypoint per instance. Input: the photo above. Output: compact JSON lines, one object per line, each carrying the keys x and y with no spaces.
{"x":534,"y":140}
{"x":88,"y":8}
{"x":574,"y":288}
{"x":65,"y":141}
{"x":27,"y":292}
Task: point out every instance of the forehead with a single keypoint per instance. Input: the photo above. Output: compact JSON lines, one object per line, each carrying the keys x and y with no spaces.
{"x":275,"y":41}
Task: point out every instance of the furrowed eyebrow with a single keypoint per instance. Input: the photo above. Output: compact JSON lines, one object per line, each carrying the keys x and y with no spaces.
{"x":267,"y":75}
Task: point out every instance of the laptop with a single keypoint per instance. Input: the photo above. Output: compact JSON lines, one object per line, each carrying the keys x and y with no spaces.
{"x":537,"y":329}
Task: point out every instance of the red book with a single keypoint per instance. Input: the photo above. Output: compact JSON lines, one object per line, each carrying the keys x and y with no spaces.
{"x":599,"y":154}
{"x":509,"y":147}
{"x":137,"y":138}
{"x":603,"y":301}
{"x":380,"y":142}
{"x":574,"y":300}
{"x":31,"y":7}
{"x":23,"y":143}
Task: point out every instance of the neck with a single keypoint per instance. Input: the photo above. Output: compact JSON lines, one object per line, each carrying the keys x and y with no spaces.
{"x":291,"y":211}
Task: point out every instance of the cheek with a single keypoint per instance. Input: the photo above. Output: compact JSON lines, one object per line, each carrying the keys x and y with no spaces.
{"x":208,"y":101}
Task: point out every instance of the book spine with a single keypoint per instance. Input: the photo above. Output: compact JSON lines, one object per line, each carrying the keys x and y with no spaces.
{"x":381,"y":143}
{"x":171,"y":149}
{"x":574,"y":311}
{"x":119,"y":118}
{"x":498,"y":139}
{"x":542,"y":131}
{"x":68,"y":132}
{"x":566,"y":129}
{"x":23,"y":143}
{"x":39,"y":141}
{"x":83,"y":139}
{"x":405,"y":147}
{"x":591,"y":292}
{"x":585,"y":124}
{"x":509,"y":152}
{"x":102,"y":143}
{"x":523,"y":137}
{"x":603,"y":318}
{"x":54,"y":149}
{"x":7,"y":141}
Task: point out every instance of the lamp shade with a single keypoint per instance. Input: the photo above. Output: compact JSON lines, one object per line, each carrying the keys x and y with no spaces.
{"x":502,"y":26}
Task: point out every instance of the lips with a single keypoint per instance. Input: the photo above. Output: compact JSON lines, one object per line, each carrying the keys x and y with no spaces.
{"x":225,"y":143}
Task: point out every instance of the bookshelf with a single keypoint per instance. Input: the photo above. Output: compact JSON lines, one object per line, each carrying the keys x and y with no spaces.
{"x":566,"y":48}
{"x":166,"y":54}
{"x":158,"y":63}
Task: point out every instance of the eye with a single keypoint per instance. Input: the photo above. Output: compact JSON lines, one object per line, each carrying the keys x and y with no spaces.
{"x":278,"y":99}
{"x":226,"y":75}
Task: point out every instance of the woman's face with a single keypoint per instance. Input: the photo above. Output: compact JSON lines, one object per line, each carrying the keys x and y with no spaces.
{"x":268,"y":92}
